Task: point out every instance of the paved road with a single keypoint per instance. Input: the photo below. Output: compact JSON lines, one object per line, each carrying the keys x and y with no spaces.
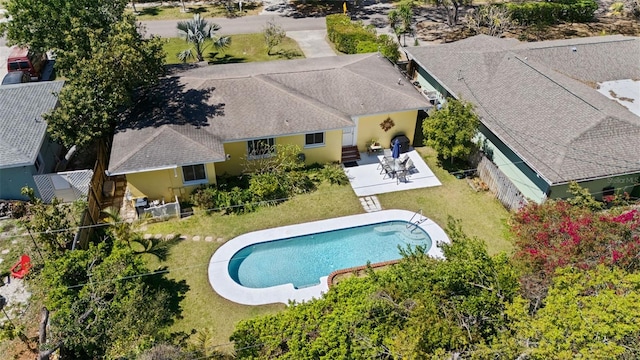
{"x":241,"y":25}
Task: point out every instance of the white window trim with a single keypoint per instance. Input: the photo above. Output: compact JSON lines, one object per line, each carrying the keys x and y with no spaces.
{"x":261,"y":156}
{"x":195,"y":182}
{"x":317,"y":145}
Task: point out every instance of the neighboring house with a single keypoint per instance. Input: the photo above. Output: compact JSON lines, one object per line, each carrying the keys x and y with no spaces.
{"x":25,"y":147}
{"x":546,"y":118}
{"x":208,"y":121}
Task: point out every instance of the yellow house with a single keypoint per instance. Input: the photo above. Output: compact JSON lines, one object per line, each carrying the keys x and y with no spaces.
{"x":213,"y":120}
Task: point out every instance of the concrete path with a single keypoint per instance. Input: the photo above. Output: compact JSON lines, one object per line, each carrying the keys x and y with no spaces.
{"x":312,"y":42}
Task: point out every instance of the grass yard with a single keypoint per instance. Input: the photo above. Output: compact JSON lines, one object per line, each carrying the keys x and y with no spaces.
{"x":173,"y":12}
{"x":480,"y":213}
{"x":203,"y":308}
{"x":243,"y":48}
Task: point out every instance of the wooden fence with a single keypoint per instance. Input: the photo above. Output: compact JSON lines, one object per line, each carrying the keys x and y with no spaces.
{"x":91,"y":215}
{"x":500,"y":185}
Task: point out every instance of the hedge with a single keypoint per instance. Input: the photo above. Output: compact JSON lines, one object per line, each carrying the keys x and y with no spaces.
{"x":546,"y":13}
{"x":346,"y":34}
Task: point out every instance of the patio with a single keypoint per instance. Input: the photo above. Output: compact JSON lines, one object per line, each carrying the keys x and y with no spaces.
{"x":366,"y":178}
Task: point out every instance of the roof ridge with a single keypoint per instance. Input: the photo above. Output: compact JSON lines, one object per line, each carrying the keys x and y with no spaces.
{"x":580,"y":41}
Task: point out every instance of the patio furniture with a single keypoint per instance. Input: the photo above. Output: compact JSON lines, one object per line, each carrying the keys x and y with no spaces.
{"x":386,"y":170}
{"x":374,"y":148}
{"x":409,"y":165}
{"x":21,"y":268}
{"x":401,"y":176}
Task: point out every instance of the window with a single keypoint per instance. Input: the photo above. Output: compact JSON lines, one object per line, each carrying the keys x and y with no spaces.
{"x":314,"y":139}
{"x":260,"y":148}
{"x":194,"y":174}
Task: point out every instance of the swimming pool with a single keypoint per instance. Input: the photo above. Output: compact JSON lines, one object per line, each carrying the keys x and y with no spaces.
{"x":310,"y":257}
{"x":293,"y":262}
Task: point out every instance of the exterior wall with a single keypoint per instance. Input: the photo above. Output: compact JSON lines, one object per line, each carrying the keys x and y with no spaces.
{"x":522,"y":176}
{"x":369,"y":128}
{"x":236,"y":155}
{"x":166,"y":184}
{"x":428,"y":83}
{"x":330,"y":151}
{"x":49,"y":152}
{"x":13,"y":179}
{"x":621,"y":184}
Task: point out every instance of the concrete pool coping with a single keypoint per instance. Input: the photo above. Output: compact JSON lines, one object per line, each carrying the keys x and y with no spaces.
{"x":226,"y":287}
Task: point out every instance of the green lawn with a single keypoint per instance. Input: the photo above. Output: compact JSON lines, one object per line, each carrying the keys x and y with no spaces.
{"x":480,"y":213}
{"x":243,"y":48}
{"x":172,"y":12}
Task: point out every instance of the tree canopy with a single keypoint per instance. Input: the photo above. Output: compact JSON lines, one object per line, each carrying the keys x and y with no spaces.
{"x":67,"y":27}
{"x":451,"y":129}
{"x":100,"y":87}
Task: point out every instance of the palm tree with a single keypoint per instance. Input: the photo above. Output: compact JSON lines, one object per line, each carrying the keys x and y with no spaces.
{"x":400,"y":21}
{"x":197,"y":31}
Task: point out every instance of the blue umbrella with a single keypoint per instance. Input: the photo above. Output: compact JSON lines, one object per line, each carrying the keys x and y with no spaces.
{"x":395,"y":151}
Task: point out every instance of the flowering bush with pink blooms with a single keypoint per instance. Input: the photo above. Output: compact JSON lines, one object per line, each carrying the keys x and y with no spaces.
{"x":558,"y":234}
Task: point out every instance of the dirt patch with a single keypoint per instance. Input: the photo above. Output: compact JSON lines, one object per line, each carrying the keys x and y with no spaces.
{"x":432,"y":27}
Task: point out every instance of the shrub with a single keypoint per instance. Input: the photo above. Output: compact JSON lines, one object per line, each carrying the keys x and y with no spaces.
{"x":346,"y":34}
{"x":210,"y":198}
{"x":334,"y":174}
{"x":389,"y":48}
{"x":267,"y":187}
{"x":546,"y":13}
{"x":366,"y":47}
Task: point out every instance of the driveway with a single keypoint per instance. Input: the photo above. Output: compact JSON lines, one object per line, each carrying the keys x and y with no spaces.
{"x":312,"y":42}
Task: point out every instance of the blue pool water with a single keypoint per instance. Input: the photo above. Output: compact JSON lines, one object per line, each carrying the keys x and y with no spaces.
{"x":303,"y":260}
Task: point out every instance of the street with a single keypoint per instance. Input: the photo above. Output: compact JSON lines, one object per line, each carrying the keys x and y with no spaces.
{"x":240,"y":25}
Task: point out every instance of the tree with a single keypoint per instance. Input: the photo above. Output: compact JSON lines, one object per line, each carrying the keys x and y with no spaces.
{"x":492,"y":20}
{"x":450,"y":8}
{"x":52,"y":226}
{"x":451,"y":129}
{"x":587,"y":314}
{"x":99,"y":88}
{"x":102,"y":305}
{"x":400,"y":20}
{"x":198,"y":32}
{"x":62,"y":26}
{"x":557,"y":234}
{"x":273,"y":35}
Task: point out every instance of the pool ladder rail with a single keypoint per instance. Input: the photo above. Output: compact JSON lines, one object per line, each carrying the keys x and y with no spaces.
{"x":420,"y":220}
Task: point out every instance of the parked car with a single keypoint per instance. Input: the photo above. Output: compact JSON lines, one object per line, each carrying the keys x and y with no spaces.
{"x":16,"y":77}
{"x":26,"y":60}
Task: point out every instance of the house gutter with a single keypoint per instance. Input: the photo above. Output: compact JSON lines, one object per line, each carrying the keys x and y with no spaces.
{"x":637,"y":172}
{"x":170,"y":167}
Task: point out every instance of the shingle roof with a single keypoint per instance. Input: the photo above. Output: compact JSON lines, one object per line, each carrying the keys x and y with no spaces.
{"x":22,"y":128}
{"x":211,"y":105}
{"x":537,"y":98}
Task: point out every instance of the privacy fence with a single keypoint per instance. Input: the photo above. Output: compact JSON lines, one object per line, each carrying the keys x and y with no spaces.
{"x":500,"y":185}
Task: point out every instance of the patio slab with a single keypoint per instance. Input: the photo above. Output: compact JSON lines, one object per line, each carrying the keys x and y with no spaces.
{"x":366,"y":179}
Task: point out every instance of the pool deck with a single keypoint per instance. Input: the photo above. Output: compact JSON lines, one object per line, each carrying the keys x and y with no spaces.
{"x":366,"y":178}
{"x":226,"y":287}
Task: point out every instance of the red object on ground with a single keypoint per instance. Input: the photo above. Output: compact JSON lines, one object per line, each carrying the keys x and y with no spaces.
{"x":21,"y":268}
